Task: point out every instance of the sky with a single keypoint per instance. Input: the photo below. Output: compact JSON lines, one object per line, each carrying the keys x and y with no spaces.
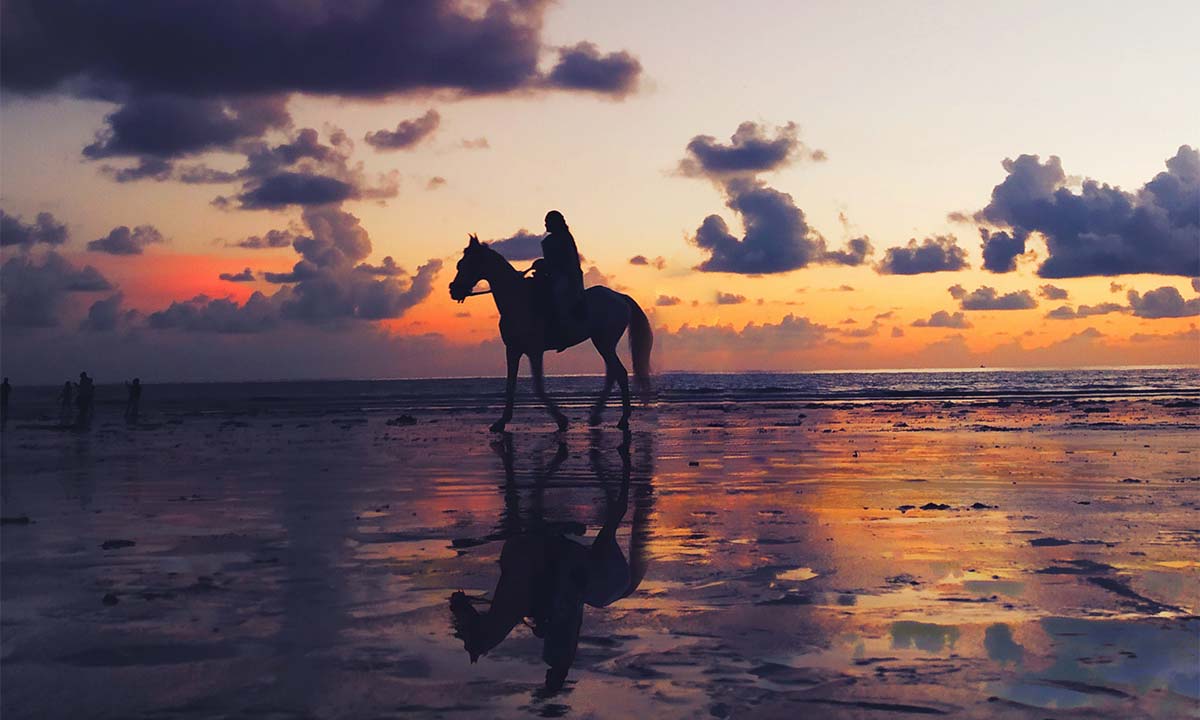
{"x":222,"y":191}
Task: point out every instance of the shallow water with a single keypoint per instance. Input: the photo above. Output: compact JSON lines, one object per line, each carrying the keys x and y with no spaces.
{"x":298,"y":560}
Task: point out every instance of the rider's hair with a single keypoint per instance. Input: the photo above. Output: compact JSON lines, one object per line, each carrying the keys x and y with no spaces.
{"x":555,"y":219}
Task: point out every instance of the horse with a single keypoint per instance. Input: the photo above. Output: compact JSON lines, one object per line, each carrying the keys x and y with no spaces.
{"x":523,"y":330}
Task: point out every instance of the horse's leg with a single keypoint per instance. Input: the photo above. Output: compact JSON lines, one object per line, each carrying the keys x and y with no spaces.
{"x":612,"y":361}
{"x":539,"y":386}
{"x":510,"y":387}
{"x":595,"y":417}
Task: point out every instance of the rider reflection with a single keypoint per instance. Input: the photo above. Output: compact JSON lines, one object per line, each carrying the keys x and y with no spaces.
{"x":549,"y":571}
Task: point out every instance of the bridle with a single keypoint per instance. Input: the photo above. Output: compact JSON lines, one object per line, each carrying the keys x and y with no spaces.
{"x":473,"y":293}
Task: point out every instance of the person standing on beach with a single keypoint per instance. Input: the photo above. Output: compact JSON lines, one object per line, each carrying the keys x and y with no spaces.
{"x":135,"y":397}
{"x":559,"y":279}
{"x":5,"y":391}
{"x":65,"y":400}
{"x":83,"y":400}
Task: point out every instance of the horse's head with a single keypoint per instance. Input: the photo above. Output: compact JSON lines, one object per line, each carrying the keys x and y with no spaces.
{"x":471,"y":269}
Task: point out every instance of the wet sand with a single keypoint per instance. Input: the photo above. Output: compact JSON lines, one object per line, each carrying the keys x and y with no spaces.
{"x":1016,"y":558}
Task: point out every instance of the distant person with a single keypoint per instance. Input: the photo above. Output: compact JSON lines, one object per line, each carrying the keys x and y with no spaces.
{"x":5,"y":391}
{"x":66,"y":399}
{"x":85,"y":398}
{"x":135,"y":397}
{"x":559,"y":279}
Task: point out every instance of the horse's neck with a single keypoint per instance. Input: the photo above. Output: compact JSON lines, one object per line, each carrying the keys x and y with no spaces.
{"x":507,"y":284}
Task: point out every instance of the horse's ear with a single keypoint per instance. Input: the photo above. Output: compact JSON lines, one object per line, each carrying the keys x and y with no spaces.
{"x":474,"y":239}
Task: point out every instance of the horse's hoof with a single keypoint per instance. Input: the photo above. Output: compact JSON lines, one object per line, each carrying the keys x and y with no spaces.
{"x":562,"y":424}
{"x":595,"y":419}
{"x":498,"y":426}
{"x":623,"y":424}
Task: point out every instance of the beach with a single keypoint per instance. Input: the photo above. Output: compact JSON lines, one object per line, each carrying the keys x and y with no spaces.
{"x":985,"y":549}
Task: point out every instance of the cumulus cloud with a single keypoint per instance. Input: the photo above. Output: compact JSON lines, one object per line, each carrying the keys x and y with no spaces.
{"x":751,"y":150}
{"x":1196,"y":284}
{"x":221,"y":315}
{"x":1165,"y":302}
{"x":957,"y":291}
{"x":1000,"y":249}
{"x":246,"y":275}
{"x":271,"y":239}
{"x":933,"y":254}
{"x":1104,"y":230}
{"x":724,"y":298}
{"x":44,"y":230}
{"x":943,"y":319}
{"x":107,"y":315}
{"x":986,"y":298}
{"x":1065,"y":312}
{"x":1051,"y":292}
{"x":408,"y":133}
{"x":35,"y":290}
{"x":123,"y":241}
{"x":667,"y":301}
{"x":523,"y":245}
{"x":388,"y":268}
{"x":584,"y":67}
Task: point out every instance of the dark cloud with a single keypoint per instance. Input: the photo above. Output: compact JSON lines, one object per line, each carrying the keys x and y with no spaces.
{"x":294,"y":188}
{"x":388,"y":268}
{"x":777,"y":239}
{"x":246,"y":275}
{"x":957,"y":291}
{"x":44,"y":230}
{"x":667,"y":301}
{"x":1196,"y":284}
{"x":218,"y":48}
{"x":1165,"y":302}
{"x":751,"y":150}
{"x":986,"y":298}
{"x":943,"y":319}
{"x":35,"y":293}
{"x":1064,"y":312}
{"x":584,"y":67}
{"x":523,"y":245}
{"x":147,"y":168}
{"x":123,"y":241}
{"x":170,"y":126}
{"x":658,"y":263}
{"x":107,"y":315}
{"x":724,"y":298}
{"x":1000,"y":249}
{"x":407,"y":134}
{"x":204,"y":314}
{"x":1103,"y":230}
{"x":272,"y":239}
{"x":1051,"y":292}
{"x":934,"y":254}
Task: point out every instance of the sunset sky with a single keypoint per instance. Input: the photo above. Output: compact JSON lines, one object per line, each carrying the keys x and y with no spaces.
{"x":782,"y":186}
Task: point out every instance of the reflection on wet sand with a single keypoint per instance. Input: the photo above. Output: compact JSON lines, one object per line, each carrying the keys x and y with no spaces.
{"x":549,"y":571}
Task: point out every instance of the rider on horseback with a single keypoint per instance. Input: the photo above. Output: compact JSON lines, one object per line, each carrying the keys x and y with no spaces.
{"x":558,"y":281}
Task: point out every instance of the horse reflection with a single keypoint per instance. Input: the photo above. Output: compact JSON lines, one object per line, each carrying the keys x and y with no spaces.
{"x":549,"y":571}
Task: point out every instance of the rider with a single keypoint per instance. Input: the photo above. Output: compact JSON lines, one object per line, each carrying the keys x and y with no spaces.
{"x":559,"y":279}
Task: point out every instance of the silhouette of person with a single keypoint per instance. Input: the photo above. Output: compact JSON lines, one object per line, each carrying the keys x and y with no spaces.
{"x":135,"y":397}
{"x":84,"y":398}
{"x":66,"y":399}
{"x":5,"y":391}
{"x":559,"y":279}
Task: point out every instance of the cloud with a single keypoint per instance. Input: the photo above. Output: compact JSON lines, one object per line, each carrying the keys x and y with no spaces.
{"x":523,"y":245}
{"x":222,"y":315}
{"x":751,"y":150}
{"x":435,"y":182}
{"x":246,"y":275}
{"x":724,"y":298}
{"x":957,"y":291}
{"x":1000,"y":249}
{"x":272,"y":239}
{"x":106,"y":315}
{"x":1196,"y":284}
{"x":292,"y":188}
{"x":1064,"y":312}
{"x":777,"y":239}
{"x":943,"y":319}
{"x":1115,"y":287}
{"x":658,"y":263}
{"x":1103,"y":230}
{"x":667,"y":301}
{"x":897,"y":332}
{"x":479,"y":143}
{"x":584,"y":67}
{"x":123,"y":241}
{"x":986,"y":298}
{"x":319,"y":48}
{"x":934,"y":254}
{"x":408,"y":133}
{"x":1165,"y":302}
{"x":44,"y":230}
{"x":388,"y":268}
{"x":1051,"y":292}
{"x":35,"y":293}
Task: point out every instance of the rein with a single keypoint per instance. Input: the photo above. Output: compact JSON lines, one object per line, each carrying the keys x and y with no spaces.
{"x":524,"y":272}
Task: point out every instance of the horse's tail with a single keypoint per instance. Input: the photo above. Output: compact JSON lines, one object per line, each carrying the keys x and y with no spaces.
{"x":641,"y":340}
